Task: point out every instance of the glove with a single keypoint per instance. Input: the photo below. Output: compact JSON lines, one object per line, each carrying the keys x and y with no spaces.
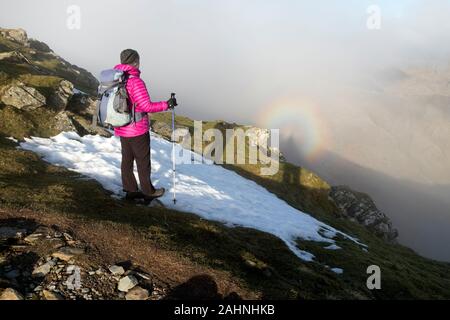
{"x":172,"y":103}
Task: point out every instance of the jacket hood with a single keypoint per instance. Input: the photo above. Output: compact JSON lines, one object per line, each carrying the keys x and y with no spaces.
{"x":129,"y":69}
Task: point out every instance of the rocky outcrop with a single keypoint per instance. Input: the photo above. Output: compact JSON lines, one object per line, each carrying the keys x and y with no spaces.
{"x":20,"y":36}
{"x":37,"y":84}
{"x":64,"y":122}
{"x":16,"y":35}
{"x":360,"y":208}
{"x":13,"y":57}
{"x":20,"y":52}
{"x":60,"y":97}
{"x":21,"y":96}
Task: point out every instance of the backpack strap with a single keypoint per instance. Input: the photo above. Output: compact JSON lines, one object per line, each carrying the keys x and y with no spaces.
{"x":96,"y":115}
{"x":135,"y":116}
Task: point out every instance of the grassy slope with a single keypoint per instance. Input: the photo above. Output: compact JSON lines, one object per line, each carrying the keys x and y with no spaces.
{"x":28,"y":182}
{"x":19,"y":123}
{"x":405,"y":274}
{"x":273,"y":271}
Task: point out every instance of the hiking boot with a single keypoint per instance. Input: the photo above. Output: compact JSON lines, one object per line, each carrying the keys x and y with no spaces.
{"x":158,"y":193}
{"x":130,"y":196}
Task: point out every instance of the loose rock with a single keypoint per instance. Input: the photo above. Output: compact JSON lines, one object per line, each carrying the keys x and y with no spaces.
{"x":49,"y":295}
{"x":43,"y":270}
{"x":137,"y":293}
{"x":127,"y":283}
{"x":117,"y":270}
{"x":67,"y":253}
{"x":67,"y":236}
{"x":10,"y":294}
{"x":37,"y":289}
{"x":33,"y":238}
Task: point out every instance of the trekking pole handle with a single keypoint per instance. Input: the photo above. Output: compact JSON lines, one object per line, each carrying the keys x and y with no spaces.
{"x":172,"y":96}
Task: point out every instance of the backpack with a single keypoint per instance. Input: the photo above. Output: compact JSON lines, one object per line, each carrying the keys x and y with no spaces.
{"x":113,"y":107}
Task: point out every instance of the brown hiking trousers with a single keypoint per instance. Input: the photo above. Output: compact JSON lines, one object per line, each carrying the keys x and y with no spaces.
{"x":136,"y":149}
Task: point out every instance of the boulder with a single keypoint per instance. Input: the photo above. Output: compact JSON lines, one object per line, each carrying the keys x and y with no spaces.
{"x":117,"y":270}
{"x":360,"y":208}
{"x":59,"y":99}
{"x":10,"y":294}
{"x":16,"y":35}
{"x":22,"y":97}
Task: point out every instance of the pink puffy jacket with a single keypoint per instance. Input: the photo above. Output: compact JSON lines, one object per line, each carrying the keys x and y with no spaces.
{"x":138,"y":94}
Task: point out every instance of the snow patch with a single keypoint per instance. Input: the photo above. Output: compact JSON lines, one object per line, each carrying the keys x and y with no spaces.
{"x":337,"y":270}
{"x":78,"y":91}
{"x":209,"y":191}
{"x":333,"y":247}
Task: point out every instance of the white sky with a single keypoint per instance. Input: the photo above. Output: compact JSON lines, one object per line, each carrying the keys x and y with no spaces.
{"x":222,"y":55}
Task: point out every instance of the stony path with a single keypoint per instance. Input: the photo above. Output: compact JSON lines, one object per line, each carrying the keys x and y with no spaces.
{"x":45,"y":255}
{"x":42,"y":262}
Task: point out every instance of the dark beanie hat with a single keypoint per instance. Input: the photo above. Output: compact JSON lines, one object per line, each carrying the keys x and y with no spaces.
{"x":129,"y":56}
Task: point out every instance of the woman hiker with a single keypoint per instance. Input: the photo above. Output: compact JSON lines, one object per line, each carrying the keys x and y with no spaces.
{"x":135,"y":137}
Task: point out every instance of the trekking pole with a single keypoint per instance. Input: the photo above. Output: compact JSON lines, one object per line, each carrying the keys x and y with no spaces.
{"x":173,"y":153}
